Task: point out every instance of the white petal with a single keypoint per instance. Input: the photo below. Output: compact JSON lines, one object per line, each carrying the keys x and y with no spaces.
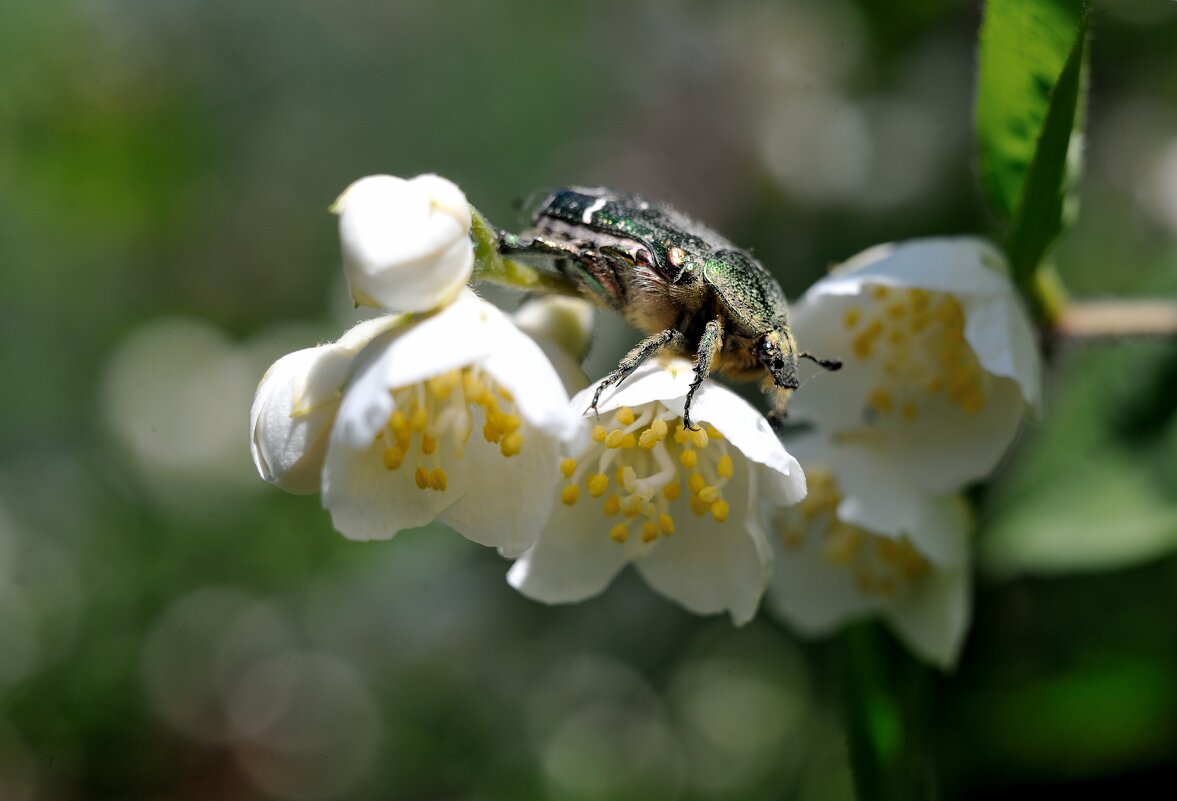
{"x":507,"y":500}
{"x":520,"y":365}
{"x":573,"y":559}
{"x":567,"y":322}
{"x":711,"y":567}
{"x":369,"y":502}
{"x":666,"y":380}
{"x":748,"y":430}
{"x":295,"y":407}
{"x":933,"y":617}
{"x":405,"y":242}
{"x":1000,"y":333}
{"x":814,"y":596}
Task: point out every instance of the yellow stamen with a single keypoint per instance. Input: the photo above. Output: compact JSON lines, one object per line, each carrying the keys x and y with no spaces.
{"x":599,"y":433}
{"x":428,"y":444}
{"x":699,"y":438}
{"x":672,"y":490}
{"x":689,"y":458}
{"x":648,"y":439}
{"x":629,"y":441}
{"x":567,"y":467}
{"x":699,"y":507}
{"x":725,"y":468}
{"x":659,"y":428}
{"x":696,"y":483}
{"x":613,"y":440}
{"x":880,"y":400}
{"x":399,"y":424}
{"x":393,"y":457}
{"x":625,"y":415}
{"x":597,"y":484}
{"x":666,"y":524}
{"x":419,"y":419}
{"x":629,"y":478}
{"x":491,"y":433}
{"x":709,"y":494}
{"x":850,"y":318}
{"x":512,"y":444}
{"x":649,"y":531}
{"x":570,"y":494}
{"x":438,"y":479}
{"x":720,"y":510}
{"x":619,"y":533}
{"x":878,"y":291}
{"x":612,"y":505}
{"x":421,"y":476}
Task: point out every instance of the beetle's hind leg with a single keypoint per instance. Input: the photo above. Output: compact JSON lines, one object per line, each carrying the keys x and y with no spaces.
{"x":709,"y":345}
{"x":642,"y":351}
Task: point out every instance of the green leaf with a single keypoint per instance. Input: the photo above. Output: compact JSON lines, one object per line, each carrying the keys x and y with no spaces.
{"x":1029,"y":107}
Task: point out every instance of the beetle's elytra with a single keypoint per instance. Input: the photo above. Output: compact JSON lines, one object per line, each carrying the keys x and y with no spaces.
{"x":689,"y":289}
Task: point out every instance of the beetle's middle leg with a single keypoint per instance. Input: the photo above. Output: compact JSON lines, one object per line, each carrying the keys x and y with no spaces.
{"x":642,"y":351}
{"x":709,"y":345}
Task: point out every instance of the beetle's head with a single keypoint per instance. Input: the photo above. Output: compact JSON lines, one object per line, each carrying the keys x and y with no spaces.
{"x":778,"y":353}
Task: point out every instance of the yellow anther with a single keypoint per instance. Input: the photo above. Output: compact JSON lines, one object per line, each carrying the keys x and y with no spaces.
{"x":619,"y":533}
{"x":472,"y":386}
{"x":648,"y":439}
{"x":399,"y":424}
{"x":597,"y":484}
{"x":666,"y":524}
{"x":419,"y":419}
{"x":681,"y":435}
{"x":421,"y":476}
{"x":896,"y":337}
{"x":506,"y":395}
{"x":720,"y":510}
{"x":507,"y":422}
{"x":903,"y":557}
{"x":393,"y":457}
{"x":851,"y":318}
{"x":631,"y":507}
{"x":599,"y":433}
{"x":712,"y":431}
{"x":440,"y":386}
{"x":659,"y":428}
{"x":709,"y":494}
{"x":570,"y":494}
{"x":625,"y":415}
{"x":696,"y":483}
{"x":649,"y":531}
{"x":699,"y":507}
{"x":689,"y":458}
{"x":611,"y":506}
{"x":672,"y":490}
{"x":428,"y":444}
{"x":567,"y":467}
{"x":613,"y":440}
{"x":908,"y":410}
{"x":896,"y":310}
{"x":511,"y":444}
{"x":619,"y":476}
{"x":919,"y":298}
{"x":878,"y":291}
{"x":629,"y":441}
{"x":725,"y":468}
{"x":629,"y":478}
{"x":490,"y":432}
{"x":934,"y":385}
{"x":699,"y":438}
{"x":919,"y":321}
{"x":438,"y":479}
{"x":880,"y":400}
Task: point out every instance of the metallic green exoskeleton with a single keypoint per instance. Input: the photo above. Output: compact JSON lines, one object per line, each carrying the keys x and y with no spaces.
{"x":692,"y":291}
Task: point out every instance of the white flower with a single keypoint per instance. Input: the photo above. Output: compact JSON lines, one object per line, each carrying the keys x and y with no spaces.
{"x":406,"y":243}
{"x":295,"y":407}
{"x":864,"y":542}
{"x":456,"y":417}
{"x":563,"y":328}
{"x":683,"y":506}
{"x":940,"y":358}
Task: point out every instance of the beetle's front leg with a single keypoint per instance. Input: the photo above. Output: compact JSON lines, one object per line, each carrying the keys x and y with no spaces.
{"x":709,"y":345}
{"x":644,"y":350}
{"x":530,"y":247}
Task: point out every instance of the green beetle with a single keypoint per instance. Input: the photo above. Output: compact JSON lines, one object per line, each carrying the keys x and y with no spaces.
{"x":676,"y":280}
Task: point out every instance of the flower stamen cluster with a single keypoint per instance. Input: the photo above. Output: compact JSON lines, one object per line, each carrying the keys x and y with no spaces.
{"x":647,"y":468}
{"x":918,"y":337}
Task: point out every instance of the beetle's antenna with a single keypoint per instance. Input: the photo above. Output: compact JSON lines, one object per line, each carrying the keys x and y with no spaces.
{"x":829,"y":364}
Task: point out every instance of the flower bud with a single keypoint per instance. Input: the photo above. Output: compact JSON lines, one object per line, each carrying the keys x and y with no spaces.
{"x":406,"y":243}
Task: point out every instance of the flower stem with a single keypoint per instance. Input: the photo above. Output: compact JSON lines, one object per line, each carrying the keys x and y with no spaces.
{"x":1103,"y":319}
{"x":886,"y":697}
{"x":492,"y":267}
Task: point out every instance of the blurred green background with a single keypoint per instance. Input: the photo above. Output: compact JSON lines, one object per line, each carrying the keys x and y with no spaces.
{"x":173,"y":628}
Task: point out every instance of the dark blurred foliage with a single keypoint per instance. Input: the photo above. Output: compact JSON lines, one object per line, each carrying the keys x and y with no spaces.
{"x":170,"y":627}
